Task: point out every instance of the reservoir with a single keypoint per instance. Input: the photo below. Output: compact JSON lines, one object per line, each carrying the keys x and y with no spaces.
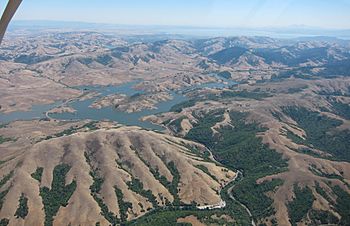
{"x":83,"y":111}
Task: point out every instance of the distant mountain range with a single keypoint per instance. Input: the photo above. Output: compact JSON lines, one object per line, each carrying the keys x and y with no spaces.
{"x":245,"y":57}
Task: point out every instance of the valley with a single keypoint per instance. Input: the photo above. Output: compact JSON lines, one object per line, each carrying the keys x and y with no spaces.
{"x":98,"y":129}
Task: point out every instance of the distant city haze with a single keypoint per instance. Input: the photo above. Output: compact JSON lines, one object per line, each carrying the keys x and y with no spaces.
{"x":327,"y":14}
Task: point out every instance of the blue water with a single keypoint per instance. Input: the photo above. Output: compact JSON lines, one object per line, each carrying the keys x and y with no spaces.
{"x":36,"y":112}
{"x":110,"y":113}
{"x":83,"y":111}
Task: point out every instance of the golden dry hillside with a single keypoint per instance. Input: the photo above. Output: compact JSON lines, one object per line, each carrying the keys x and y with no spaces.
{"x":290,"y":137}
{"x":107,"y":176}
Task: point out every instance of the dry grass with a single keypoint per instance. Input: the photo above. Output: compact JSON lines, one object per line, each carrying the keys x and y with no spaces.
{"x":261,"y":112}
{"x":118,"y":155}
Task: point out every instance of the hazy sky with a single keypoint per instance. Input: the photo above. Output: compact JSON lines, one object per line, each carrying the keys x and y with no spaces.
{"x":212,"y":13}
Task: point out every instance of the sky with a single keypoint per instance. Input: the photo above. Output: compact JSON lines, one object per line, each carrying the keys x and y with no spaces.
{"x":203,"y":13}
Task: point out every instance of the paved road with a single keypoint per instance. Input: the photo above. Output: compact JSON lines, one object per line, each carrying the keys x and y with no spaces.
{"x":229,"y":192}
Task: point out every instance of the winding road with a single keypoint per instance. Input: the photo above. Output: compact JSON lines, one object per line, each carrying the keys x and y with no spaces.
{"x":229,"y":191}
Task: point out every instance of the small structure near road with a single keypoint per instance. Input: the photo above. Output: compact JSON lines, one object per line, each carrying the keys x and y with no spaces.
{"x":220,"y":205}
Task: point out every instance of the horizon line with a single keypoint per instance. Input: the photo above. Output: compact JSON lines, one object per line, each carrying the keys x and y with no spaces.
{"x":296,"y":26}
